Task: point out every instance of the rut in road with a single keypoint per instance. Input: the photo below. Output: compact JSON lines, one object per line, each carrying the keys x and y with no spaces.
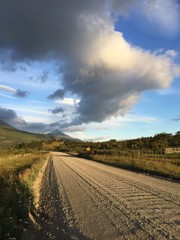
{"x":83,"y":199}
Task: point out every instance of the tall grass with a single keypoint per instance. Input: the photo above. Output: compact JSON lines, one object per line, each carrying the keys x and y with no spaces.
{"x":16,"y":195}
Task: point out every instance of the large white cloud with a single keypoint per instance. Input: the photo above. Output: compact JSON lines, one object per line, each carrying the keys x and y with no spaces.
{"x":111,"y":73}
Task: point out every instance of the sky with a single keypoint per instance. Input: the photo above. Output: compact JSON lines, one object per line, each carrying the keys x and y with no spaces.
{"x":96,"y":70}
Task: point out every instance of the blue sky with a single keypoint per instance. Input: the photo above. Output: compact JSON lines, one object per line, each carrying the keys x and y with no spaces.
{"x":117,"y":76}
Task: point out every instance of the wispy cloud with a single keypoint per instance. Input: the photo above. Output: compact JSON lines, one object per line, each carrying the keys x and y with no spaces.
{"x":98,"y":139}
{"x":6,"y":96}
{"x":16,"y":92}
{"x":169,"y":91}
{"x":165,"y":14}
{"x":176,"y":119}
{"x":7,"y":89}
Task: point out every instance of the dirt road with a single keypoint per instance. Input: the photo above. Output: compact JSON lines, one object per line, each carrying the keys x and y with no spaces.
{"x":81,"y":199}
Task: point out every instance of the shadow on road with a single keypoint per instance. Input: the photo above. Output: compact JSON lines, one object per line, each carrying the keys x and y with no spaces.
{"x":50,"y":221}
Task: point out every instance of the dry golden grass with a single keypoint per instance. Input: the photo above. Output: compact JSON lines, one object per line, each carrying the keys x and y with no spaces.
{"x":160,"y":166}
{"x":16,"y":179}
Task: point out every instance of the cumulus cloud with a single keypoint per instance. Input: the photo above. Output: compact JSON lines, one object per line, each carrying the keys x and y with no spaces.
{"x":10,"y":117}
{"x":100,"y":68}
{"x":113,"y":73}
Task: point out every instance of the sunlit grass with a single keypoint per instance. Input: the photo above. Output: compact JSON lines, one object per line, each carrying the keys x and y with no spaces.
{"x":16,"y":200}
{"x":160,"y":166}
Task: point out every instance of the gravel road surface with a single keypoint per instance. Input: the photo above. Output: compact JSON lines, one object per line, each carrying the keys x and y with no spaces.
{"x":82,"y":199}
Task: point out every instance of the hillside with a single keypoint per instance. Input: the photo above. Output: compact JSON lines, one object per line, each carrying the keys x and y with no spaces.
{"x":10,"y":136}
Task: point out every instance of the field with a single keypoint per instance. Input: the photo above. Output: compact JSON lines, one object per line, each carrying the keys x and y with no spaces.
{"x":17,"y":173}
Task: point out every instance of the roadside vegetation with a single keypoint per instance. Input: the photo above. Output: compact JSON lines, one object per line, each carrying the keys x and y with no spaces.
{"x":164,"y":166}
{"x":17,"y":174}
{"x":143,"y":154}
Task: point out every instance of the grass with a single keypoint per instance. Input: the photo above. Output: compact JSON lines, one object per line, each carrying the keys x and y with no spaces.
{"x":16,"y":200}
{"x":163,"y":166}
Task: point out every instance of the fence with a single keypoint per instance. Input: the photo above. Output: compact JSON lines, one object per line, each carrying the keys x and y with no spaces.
{"x":172,"y":150}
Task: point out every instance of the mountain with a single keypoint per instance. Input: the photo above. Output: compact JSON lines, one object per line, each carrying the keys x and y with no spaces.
{"x":58,"y":135}
{"x":10,"y":136}
{"x":3,"y":124}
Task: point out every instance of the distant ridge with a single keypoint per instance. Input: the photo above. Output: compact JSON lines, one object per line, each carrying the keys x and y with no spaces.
{"x":10,"y":136}
{"x":4,"y":124}
{"x":59,"y":135}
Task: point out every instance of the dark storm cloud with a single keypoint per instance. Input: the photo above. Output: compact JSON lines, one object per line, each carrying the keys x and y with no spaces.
{"x":57,"y":94}
{"x":36,"y":29}
{"x":20,"y":93}
{"x":7,"y":114}
{"x":57,"y":110}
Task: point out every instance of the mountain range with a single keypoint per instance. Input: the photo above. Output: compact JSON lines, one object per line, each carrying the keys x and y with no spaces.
{"x":10,"y":135}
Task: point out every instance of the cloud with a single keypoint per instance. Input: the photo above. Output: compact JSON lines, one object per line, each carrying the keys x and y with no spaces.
{"x":57,"y":110}
{"x":6,"y":96}
{"x":7,"y":114}
{"x":21,"y":94}
{"x":32,"y":30}
{"x":17,"y":93}
{"x":7,"y":89}
{"x":10,"y":117}
{"x":176,"y":119}
{"x":100,"y":68}
{"x":169,"y":91}
{"x":122,"y":7}
{"x":165,"y":14}
{"x":57,"y":94}
{"x":68,"y":101}
{"x":75,"y":129}
{"x":98,"y":139}
{"x":113,"y":73}
{"x":44,"y":76}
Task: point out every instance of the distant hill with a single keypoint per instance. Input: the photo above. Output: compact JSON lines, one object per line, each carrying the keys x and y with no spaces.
{"x":10,"y":136}
{"x":2,"y":123}
{"x":58,"y":135}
